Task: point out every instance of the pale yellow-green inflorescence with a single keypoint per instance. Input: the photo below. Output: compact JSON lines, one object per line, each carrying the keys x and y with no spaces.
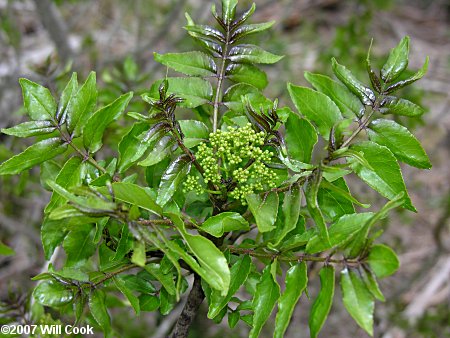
{"x":225,"y":157}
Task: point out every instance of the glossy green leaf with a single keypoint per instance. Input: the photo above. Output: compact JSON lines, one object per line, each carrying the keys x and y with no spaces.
{"x":334,"y":199}
{"x":81,"y":107}
{"x":67,"y":96}
{"x":172,"y":178}
{"x":252,"y":54}
{"x":228,"y":10}
{"x":265,"y":210}
{"x":382,"y":260}
{"x":125,"y":244}
{"x":239,"y":273}
{"x":194,"y":132}
{"x":6,"y":250}
{"x":301,"y":137}
{"x":400,"y":142}
{"x":357,"y":299}
{"x":245,"y":30}
{"x":233,"y":319}
{"x":97,"y":123}
{"x":122,"y":287}
{"x":371,"y":283}
{"x":396,"y":62}
{"x":38,"y":101}
{"x":311,"y":192}
{"x":189,"y":63}
{"x":291,"y":213}
{"x":98,"y":309}
{"x":70,"y":175}
{"x":386,"y":177}
{"x":417,"y":76}
{"x":195,"y":91}
{"x":79,"y":244}
{"x":322,"y":305}
{"x":210,"y":258}
{"x":224,"y":222}
{"x":365,"y":94}
{"x":148,"y":303}
{"x":30,"y":128}
{"x":52,"y":235}
{"x":266,"y":295}
{"x":296,"y":282}
{"x":398,"y":106}
{"x":33,"y":155}
{"x":139,"y":256}
{"x":347,"y":102}
{"x":166,"y":279}
{"x":233,"y":96}
{"x":53,"y":294}
{"x":247,"y":73}
{"x":341,"y":232}
{"x":316,"y":107}
{"x":131,"y":148}
{"x":135,"y":195}
{"x":160,"y":151}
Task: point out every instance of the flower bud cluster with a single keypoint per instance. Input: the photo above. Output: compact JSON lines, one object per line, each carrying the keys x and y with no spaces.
{"x":235,"y":155}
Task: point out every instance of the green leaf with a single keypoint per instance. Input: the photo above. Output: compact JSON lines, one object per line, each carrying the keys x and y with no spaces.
{"x":53,"y":294}
{"x":365,"y":94}
{"x":347,"y":102}
{"x":30,"y":128}
{"x":322,"y":305}
{"x":70,"y":175}
{"x":228,"y":10}
{"x":417,"y":76}
{"x":316,"y":107}
{"x":125,"y":244}
{"x":224,"y":222}
{"x":52,"y":235}
{"x":296,"y":282}
{"x":247,"y":73}
{"x":266,"y":295}
{"x":160,"y":151}
{"x":400,"y":142}
{"x":6,"y":250}
{"x":301,"y":137}
{"x":311,"y":191}
{"x":233,"y":96}
{"x":396,"y":62}
{"x":172,"y":177}
{"x":148,"y":303}
{"x":382,"y":260}
{"x":371,"y":283}
{"x":97,"y":123}
{"x":397,"y":106}
{"x":195,"y":91}
{"x":190,"y":63}
{"x":82,"y":105}
{"x":245,"y":30}
{"x":357,"y":299}
{"x":291,"y":213}
{"x":264,"y":209}
{"x":134,"y":301}
{"x":139,"y":256}
{"x":252,"y":54}
{"x":67,"y":96}
{"x":38,"y":101}
{"x":194,"y":132}
{"x":334,"y":199}
{"x":341,"y":232}
{"x":131,"y":148}
{"x":386,"y":177}
{"x":35,"y":154}
{"x":214,"y":265}
{"x":99,"y":310}
{"x":79,"y":245}
{"x":166,"y":279}
{"x":239,"y":273}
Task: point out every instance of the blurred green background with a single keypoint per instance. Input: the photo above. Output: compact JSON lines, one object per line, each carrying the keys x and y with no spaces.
{"x":46,"y":40}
